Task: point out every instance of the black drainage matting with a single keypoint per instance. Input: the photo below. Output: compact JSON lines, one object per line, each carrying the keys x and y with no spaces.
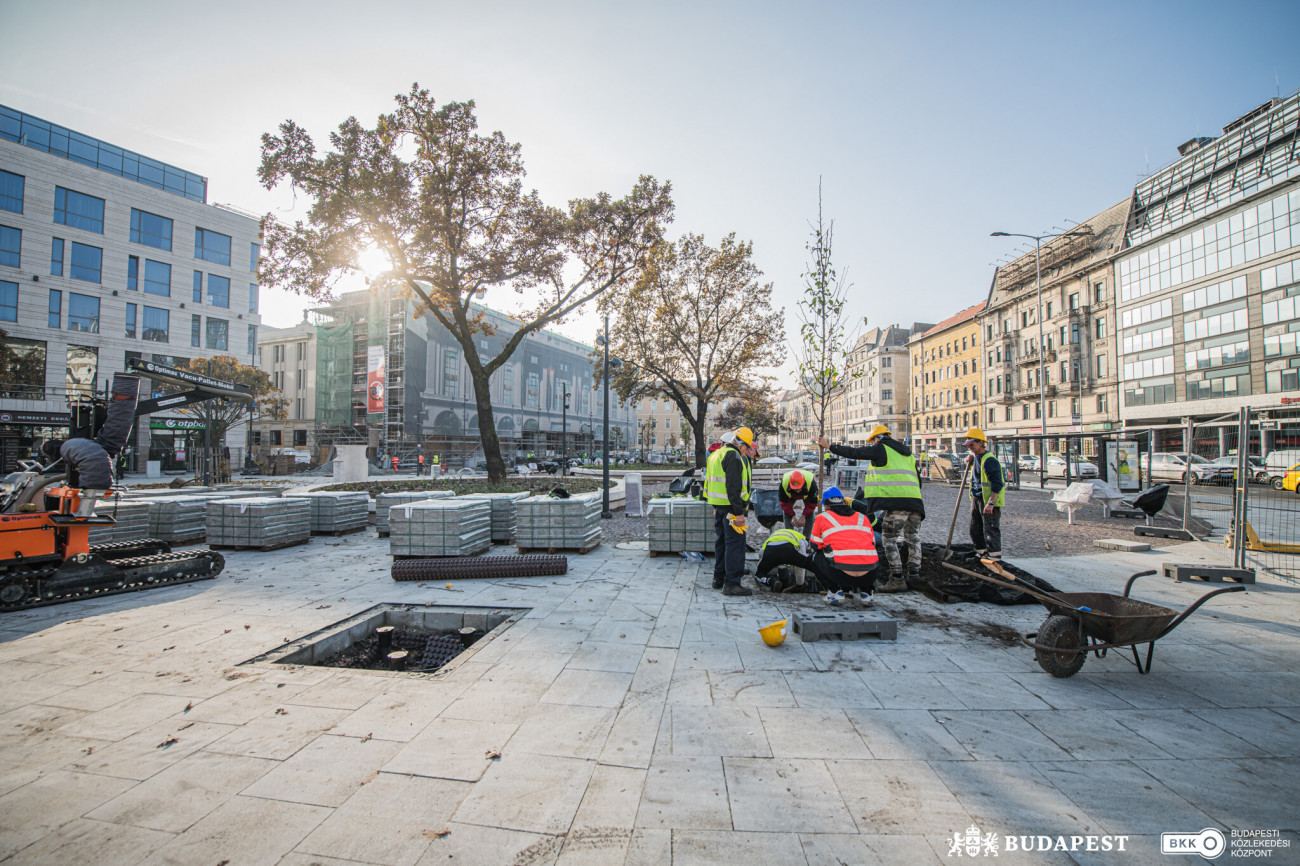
{"x":463,"y":568}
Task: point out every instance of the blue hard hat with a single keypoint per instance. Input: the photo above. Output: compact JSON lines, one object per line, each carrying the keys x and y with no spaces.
{"x":832,"y":493}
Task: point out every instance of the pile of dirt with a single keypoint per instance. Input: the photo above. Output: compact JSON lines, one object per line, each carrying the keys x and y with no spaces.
{"x":948,"y":586}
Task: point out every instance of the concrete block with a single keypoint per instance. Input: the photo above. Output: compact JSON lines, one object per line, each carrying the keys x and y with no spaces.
{"x":1208,"y":573}
{"x":844,"y":624}
{"x":1121,"y":544}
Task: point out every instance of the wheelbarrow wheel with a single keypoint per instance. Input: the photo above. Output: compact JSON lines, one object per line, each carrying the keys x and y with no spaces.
{"x":1061,"y":632}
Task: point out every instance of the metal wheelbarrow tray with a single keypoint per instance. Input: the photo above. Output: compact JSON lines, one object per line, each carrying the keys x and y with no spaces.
{"x":1082,"y":622}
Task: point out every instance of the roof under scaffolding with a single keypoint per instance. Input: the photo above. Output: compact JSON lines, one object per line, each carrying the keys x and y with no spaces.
{"x":1098,"y":238}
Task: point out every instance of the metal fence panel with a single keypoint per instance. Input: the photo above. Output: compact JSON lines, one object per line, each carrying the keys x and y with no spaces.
{"x":1272,"y":502}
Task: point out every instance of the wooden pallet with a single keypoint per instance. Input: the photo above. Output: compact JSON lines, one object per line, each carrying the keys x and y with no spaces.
{"x":582,"y":551}
{"x":335,"y":533}
{"x":264,"y":548}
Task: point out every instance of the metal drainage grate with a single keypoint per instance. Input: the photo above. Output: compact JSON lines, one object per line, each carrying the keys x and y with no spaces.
{"x":413,"y":639}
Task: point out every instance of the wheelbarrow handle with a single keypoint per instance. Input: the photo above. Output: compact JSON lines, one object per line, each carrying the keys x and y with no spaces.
{"x":1129,"y":585}
{"x":1200,"y":601}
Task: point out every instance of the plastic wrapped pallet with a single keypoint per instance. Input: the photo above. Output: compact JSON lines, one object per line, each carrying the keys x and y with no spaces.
{"x":680,"y":525}
{"x":440,"y":527}
{"x":258,"y":522}
{"x":132,"y":522}
{"x":333,"y":511}
{"x":546,"y":522}
{"x":632,"y":494}
{"x":505,"y":513}
{"x":385,"y":501}
{"x":178,"y":519}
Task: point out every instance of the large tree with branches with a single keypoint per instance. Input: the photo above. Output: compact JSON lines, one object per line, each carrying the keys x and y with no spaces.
{"x":696,"y":328}
{"x":447,"y":207}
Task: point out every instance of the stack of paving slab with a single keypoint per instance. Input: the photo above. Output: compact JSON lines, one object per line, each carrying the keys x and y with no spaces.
{"x":546,"y":522}
{"x":505,"y":513}
{"x":335,"y":512}
{"x":179,"y":519}
{"x":261,"y":522}
{"x":440,"y":527}
{"x":680,"y":525}
{"x":385,"y":502}
{"x":132,"y":521}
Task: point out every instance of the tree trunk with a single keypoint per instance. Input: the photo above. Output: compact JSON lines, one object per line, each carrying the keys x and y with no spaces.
{"x":697,"y":429}
{"x":487,"y":427}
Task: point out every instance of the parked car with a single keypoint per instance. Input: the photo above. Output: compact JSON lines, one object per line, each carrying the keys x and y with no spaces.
{"x":1291,"y":479}
{"x":1080,"y":469}
{"x":1258,"y":474}
{"x":1174,"y":466}
{"x":1027,"y":462}
{"x":1277,"y":463}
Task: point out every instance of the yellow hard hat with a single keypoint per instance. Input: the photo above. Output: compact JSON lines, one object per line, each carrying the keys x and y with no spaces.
{"x":878,"y":430}
{"x":975,"y":434}
{"x":774,"y":634}
{"x":744,"y":434}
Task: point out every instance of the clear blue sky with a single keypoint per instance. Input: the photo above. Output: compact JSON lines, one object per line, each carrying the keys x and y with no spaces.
{"x":931,"y":124}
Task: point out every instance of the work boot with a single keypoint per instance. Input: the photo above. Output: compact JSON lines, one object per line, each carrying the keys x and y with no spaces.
{"x":736,"y":589}
{"x":913,"y":578}
{"x":717,"y":583}
{"x":894,"y":584}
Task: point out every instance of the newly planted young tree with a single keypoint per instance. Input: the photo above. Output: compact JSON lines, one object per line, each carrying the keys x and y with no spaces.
{"x":696,"y":328}
{"x":447,"y":208}
{"x":826,"y":330}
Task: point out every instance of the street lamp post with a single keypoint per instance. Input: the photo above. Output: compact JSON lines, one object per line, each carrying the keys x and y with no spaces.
{"x":1042,"y":354}
{"x":604,"y":439}
{"x":564,"y":427}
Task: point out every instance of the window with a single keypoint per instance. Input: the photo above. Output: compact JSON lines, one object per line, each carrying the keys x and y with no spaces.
{"x":151,"y":230}
{"x":1049,"y":310}
{"x":1074,"y":332}
{"x":212,"y":246}
{"x":533,"y":393}
{"x":157,"y":278}
{"x":56,"y":309}
{"x":299,"y":436}
{"x":218,"y":291}
{"x":1064,"y":370}
{"x":1098,"y":292}
{"x":1103,"y":405}
{"x":83,"y":313}
{"x":56,"y":257}
{"x":1102,"y":366}
{"x":11,"y":245}
{"x":83,"y":366}
{"x":1100,"y":327}
{"x":156,"y":324}
{"x":8,"y":301}
{"x":886,"y":394}
{"x":252,"y":341}
{"x":218,"y":334}
{"x":196,"y":330}
{"x":450,"y":372}
{"x":257,"y":437}
{"x":508,"y":385}
{"x":22,"y":366}
{"x":11,"y":191}
{"x":252,"y":297}
{"x":133,"y":273}
{"x":86,"y":262}
{"x":130,"y":321}
{"x":302,"y":351}
{"x":197,"y":297}
{"x":78,"y":210}
{"x":275,"y":438}
{"x":254,"y":253}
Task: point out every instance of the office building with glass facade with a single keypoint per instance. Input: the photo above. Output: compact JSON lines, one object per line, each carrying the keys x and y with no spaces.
{"x":97,"y":266}
{"x":1206,"y":281}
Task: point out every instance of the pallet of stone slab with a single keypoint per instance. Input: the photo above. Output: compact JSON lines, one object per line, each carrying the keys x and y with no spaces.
{"x":679,"y":525}
{"x":259,"y":523}
{"x":480,"y":567}
{"x":132,"y":522}
{"x":335,"y":512}
{"x":549,"y":523}
{"x":384,"y":503}
{"x":179,"y":519}
{"x":440,"y":527}
{"x":505,"y":513}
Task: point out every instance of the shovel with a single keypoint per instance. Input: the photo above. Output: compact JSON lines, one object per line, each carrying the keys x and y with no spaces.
{"x":961,"y":491}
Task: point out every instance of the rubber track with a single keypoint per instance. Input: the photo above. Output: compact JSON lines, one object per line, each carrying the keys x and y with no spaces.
{"x":531,"y":565}
{"x":161,"y":566}
{"x":115,"y":550}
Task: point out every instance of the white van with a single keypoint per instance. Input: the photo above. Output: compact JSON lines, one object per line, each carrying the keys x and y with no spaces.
{"x":1278,"y":462}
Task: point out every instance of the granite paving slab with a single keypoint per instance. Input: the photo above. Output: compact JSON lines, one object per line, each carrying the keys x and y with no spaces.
{"x":242,"y":830}
{"x":533,"y":793}
{"x":683,"y":792}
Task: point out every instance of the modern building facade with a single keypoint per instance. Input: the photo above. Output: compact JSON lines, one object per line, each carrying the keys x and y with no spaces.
{"x":946,"y":380}
{"x":1208,"y":277}
{"x":1072,"y":355}
{"x":106,"y":255}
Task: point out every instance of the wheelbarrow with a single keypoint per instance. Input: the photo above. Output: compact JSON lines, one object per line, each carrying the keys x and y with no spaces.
{"x":1082,"y":622}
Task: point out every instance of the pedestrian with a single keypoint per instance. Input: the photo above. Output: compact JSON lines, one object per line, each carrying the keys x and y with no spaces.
{"x":988,"y":495}
{"x":798,"y":485}
{"x":419,"y":469}
{"x":891,"y":485}
{"x":844,"y":554}
{"x":726,"y":487}
{"x":394,"y":463}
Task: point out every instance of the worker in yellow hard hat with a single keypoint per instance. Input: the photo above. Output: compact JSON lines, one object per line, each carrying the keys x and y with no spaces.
{"x":891,"y":485}
{"x":726,"y":487}
{"x":988,"y":495}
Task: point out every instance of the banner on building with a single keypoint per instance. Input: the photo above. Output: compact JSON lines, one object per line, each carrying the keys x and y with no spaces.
{"x":375,"y":379}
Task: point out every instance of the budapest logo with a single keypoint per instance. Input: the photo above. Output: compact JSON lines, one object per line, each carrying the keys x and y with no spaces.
{"x":973,"y":843}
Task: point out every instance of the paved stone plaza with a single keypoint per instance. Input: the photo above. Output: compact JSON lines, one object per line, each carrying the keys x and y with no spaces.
{"x":638,"y":719}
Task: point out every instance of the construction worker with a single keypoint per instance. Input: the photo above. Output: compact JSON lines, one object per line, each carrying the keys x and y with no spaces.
{"x":394,"y":463}
{"x":891,"y":486}
{"x":798,"y":485}
{"x":988,"y":494}
{"x":845,"y":550}
{"x":726,"y":488}
{"x":437,"y":465}
{"x":419,"y":469}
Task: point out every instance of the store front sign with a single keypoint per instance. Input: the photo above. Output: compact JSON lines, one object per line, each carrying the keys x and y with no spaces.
{"x":40,"y":419}
{"x":176,"y":424}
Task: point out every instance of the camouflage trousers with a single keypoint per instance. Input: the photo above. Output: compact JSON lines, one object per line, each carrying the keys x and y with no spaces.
{"x":901,"y":527}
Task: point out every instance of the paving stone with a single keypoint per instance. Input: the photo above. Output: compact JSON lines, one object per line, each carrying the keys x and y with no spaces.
{"x":721,"y":731}
{"x":750,"y":689}
{"x":278,"y":733}
{"x":341,"y":691}
{"x":999,"y":735}
{"x":990,"y":691}
{"x":1236,"y":795}
{"x":533,"y":793}
{"x":633,"y":737}
{"x":489,"y":700}
{"x":326,"y":772}
{"x":472,"y":845}
{"x":86,"y":841}
{"x":830,"y":689}
{"x":910,"y":691}
{"x":28,"y":813}
{"x":906,"y":735}
{"x":611,"y":800}
{"x":873,"y":849}
{"x":452,"y":749}
{"x":709,"y":847}
{"x":400,"y":715}
{"x":649,"y":847}
{"x":1012,"y":796}
{"x":1121,"y":795}
{"x":896,"y":797}
{"x":811,"y":733}
{"x":150,"y":751}
{"x":564,"y":731}
{"x":685,"y":793}
{"x":1125,"y":544}
{"x":588,"y":688}
{"x":1184,"y":735}
{"x":244,"y":830}
{"x":784,"y":795}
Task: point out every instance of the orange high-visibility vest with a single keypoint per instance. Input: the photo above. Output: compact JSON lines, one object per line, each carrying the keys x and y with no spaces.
{"x":847,"y":541}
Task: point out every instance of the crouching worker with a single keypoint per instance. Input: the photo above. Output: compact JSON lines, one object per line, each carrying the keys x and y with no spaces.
{"x":784,"y":549}
{"x":90,"y":461}
{"x":845,"y":550}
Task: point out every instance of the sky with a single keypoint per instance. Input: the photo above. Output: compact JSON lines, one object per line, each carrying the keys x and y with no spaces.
{"x":927,"y":124}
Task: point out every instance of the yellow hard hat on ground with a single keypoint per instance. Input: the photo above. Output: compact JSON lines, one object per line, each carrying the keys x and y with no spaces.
{"x":878,"y":430}
{"x":975,"y":434}
{"x":774,"y":634}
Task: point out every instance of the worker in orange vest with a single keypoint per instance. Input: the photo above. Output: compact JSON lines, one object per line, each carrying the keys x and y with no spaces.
{"x":845,"y":550}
